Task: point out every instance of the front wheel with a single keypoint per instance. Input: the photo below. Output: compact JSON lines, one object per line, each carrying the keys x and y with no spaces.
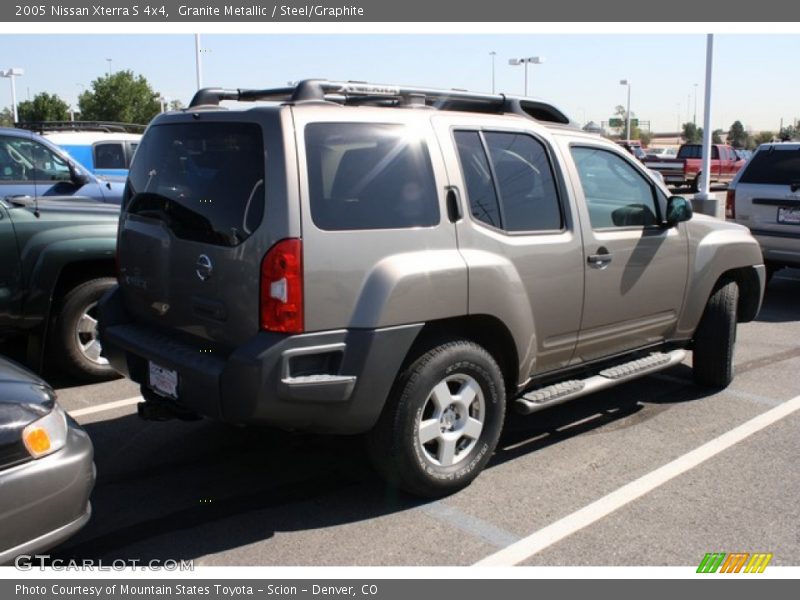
{"x":442,"y":420}
{"x":715,"y":338}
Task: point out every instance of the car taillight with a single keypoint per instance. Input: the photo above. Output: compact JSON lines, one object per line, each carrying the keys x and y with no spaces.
{"x":281,"y":301}
{"x":730,"y":204}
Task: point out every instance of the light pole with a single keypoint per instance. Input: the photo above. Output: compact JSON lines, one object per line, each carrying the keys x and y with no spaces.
{"x":492,"y":54}
{"x":109,"y":66}
{"x":695,"y":105}
{"x":535,"y":60}
{"x":11,"y":73}
{"x":628,"y":111}
{"x":198,"y":65}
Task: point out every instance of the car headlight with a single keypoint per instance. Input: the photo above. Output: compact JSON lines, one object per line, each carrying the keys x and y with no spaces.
{"x":46,"y":435}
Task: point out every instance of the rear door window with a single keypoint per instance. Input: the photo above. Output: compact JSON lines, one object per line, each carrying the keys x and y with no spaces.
{"x":204,"y":180}
{"x":369,"y":176}
{"x":774,"y":166}
{"x":109,"y":156}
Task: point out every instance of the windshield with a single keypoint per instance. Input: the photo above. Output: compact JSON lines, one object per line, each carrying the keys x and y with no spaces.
{"x":204,"y":180}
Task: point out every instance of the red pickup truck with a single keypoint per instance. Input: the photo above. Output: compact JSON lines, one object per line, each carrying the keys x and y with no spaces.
{"x":685,"y":168}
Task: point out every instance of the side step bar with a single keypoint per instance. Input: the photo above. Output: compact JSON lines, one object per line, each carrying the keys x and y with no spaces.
{"x":574,"y":388}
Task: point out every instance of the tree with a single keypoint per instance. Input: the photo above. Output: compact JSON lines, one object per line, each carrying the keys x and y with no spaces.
{"x":737,"y":136}
{"x":716,"y":136}
{"x":175,"y":105}
{"x":692,"y":134}
{"x":43,"y":107}
{"x":788,"y":133}
{"x":6,"y":117}
{"x":763,"y":137}
{"x":120,"y":97}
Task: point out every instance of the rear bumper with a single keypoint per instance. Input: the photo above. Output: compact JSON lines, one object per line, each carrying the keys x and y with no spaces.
{"x":331,"y":381}
{"x":779,"y":248}
{"x":45,"y":501}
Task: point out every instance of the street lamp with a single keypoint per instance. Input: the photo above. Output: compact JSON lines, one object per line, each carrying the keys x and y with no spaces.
{"x":198,"y":65}
{"x":11,"y":73}
{"x":536,"y":60}
{"x":627,"y":112}
{"x":109,"y":66}
{"x":492,"y":54}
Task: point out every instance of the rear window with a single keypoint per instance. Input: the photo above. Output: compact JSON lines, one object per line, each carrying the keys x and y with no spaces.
{"x":109,"y":156}
{"x":776,"y":166}
{"x":369,"y":176}
{"x":204,"y":180}
{"x":696,"y":151}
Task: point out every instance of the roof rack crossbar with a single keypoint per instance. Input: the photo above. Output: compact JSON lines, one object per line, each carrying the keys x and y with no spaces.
{"x":359,"y":92}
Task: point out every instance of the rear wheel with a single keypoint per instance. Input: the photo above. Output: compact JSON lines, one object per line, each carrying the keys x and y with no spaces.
{"x":715,"y":338}
{"x":75,"y":342}
{"x":442,"y":421}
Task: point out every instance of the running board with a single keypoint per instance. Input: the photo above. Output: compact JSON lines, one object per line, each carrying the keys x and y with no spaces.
{"x":574,"y":388}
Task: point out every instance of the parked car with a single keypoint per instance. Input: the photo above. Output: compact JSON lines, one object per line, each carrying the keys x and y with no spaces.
{"x":686,"y":167}
{"x":765,"y":196}
{"x":662,"y":152}
{"x":57,"y":260}
{"x":46,"y":467}
{"x":32,"y":167}
{"x":347,"y":261}
{"x":634,"y":147}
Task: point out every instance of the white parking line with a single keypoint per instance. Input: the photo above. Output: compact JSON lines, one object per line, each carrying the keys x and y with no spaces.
{"x":81,"y":412}
{"x":555,"y":532}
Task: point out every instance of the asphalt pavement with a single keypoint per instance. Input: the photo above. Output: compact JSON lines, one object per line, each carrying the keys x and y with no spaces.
{"x":569,"y":475}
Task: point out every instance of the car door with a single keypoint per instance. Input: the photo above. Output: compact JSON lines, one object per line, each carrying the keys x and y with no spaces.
{"x":635,"y":269}
{"x":10,"y":283}
{"x":29,"y":168}
{"x":518,"y":237}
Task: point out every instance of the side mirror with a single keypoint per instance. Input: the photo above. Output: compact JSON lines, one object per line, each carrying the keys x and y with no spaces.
{"x":76,"y":176}
{"x":679,"y":209}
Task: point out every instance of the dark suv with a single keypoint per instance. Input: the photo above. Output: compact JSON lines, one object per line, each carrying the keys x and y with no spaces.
{"x":404,"y":262}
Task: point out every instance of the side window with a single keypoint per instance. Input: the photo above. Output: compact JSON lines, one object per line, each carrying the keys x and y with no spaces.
{"x":616,"y":194}
{"x":478,"y":178}
{"x":26,"y":160}
{"x":369,"y":176}
{"x":109,"y":156}
{"x":518,"y":192}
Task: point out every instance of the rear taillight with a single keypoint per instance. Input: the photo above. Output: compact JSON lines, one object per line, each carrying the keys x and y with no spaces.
{"x":281,"y":302}
{"x":730,"y":204}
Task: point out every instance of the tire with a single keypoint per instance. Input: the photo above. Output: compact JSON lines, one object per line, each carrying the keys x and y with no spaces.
{"x":431,"y":440}
{"x":74,"y":340}
{"x":715,"y":338}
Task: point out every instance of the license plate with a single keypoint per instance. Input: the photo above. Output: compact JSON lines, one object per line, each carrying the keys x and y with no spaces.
{"x":164,"y":381}
{"x":789,"y":215}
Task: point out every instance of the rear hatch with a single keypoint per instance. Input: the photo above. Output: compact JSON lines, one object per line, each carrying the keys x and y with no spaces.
{"x":768,"y":191}
{"x":194,"y":230}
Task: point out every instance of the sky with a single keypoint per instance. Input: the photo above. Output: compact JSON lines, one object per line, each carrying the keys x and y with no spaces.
{"x":754,"y":75}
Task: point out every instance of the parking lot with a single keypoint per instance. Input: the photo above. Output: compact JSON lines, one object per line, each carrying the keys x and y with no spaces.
{"x":223,"y":495}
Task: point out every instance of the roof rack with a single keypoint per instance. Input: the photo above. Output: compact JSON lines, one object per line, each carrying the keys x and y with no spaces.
{"x":360,"y":93}
{"x":102,"y":126}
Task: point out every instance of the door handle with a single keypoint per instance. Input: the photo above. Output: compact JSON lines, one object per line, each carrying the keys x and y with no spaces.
{"x":454,"y":212}
{"x":600,"y":260}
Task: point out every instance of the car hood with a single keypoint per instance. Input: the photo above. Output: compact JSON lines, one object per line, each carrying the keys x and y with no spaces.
{"x":24,"y":398}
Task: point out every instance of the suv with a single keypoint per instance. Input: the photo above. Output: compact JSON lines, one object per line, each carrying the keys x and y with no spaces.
{"x":765,"y":196}
{"x":405,"y":262}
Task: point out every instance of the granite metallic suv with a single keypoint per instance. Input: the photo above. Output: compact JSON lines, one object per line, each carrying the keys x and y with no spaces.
{"x":406,"y":263}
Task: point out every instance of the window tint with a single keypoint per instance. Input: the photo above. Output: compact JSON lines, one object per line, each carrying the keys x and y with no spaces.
{"x":369,"y":176}
{"x":204,"y":180}
{"x":525,"y":183}
{"x":522,"y":195}
{"x":777,"y":166}
{"x":109,"y":156}
{"x":478,"y":178}
{"x":26,"y":160}
{"x":617,"y":195}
